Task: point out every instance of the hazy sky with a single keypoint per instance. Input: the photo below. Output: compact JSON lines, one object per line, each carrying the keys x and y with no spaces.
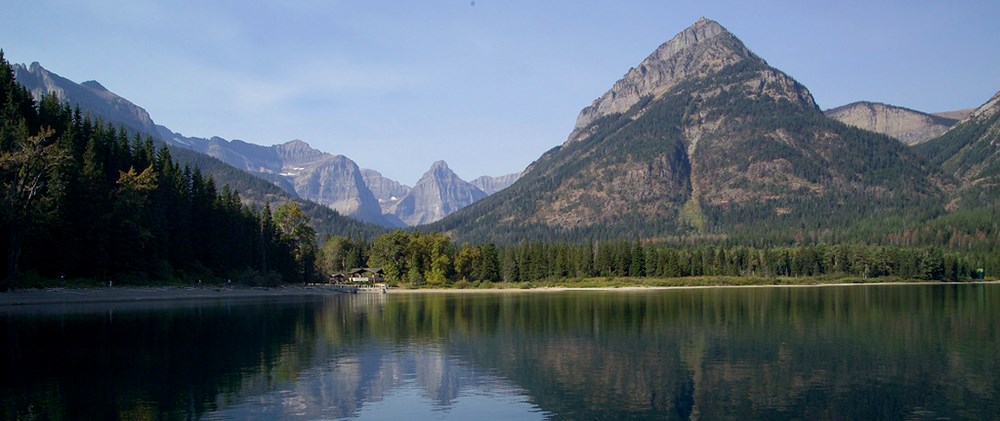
{"x":486,"y":85}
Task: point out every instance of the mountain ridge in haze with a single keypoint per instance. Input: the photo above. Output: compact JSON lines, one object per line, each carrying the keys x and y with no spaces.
{"x":332,"y":180}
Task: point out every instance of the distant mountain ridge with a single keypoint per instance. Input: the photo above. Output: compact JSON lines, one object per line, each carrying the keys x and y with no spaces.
{"x":491,"y":185}
{"x":331,"y":180}
{"x":909,"y":126}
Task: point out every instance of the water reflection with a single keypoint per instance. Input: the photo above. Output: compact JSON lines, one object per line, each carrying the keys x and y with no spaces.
{"x":853,"y":352}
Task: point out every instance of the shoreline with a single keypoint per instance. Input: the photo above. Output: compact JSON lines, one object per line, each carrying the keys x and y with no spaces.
{"x":666,"y":288}
{"x":68,"y":295}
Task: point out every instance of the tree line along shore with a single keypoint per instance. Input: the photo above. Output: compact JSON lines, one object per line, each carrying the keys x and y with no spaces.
{"x":88,"y":203}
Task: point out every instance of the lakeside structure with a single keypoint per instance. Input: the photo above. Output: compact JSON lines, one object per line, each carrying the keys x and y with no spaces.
{"x":368,"y":280}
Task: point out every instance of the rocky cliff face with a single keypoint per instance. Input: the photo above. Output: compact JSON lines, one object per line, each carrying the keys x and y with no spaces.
{"x":386,"y":190}
{"x":439,"y":193}
{"x":909,"y":126}
{"x":91,"y":96}
{"x":491,"y":185}
{"x":335,"y":181}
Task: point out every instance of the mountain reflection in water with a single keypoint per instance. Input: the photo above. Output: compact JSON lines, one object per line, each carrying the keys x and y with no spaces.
{"x":831,"y":352}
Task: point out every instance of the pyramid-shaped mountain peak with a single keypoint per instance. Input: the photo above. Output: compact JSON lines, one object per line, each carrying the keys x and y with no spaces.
{"x":438,"y":193}
{"x":704,"y":48}
{"x":703,"y":137}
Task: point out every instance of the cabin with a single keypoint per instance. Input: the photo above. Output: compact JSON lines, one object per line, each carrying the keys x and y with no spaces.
{"x":337,"y":278}
{"x":367,"y":275}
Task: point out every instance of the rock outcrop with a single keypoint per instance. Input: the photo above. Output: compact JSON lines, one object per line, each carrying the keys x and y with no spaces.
{"x":909,"y":126}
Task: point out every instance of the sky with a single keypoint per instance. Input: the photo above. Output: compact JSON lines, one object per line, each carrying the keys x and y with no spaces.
{"x":486,"y":85}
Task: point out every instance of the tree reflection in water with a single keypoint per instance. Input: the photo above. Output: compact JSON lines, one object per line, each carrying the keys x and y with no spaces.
{"x":831,"y":352}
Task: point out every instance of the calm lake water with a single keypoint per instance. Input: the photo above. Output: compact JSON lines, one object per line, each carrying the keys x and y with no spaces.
{"x":863,"y":352}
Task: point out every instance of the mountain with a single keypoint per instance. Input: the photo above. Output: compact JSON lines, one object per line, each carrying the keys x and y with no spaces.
{"x":91,"y":96}
{"x":909,"y":126}
{"x":491,"y":185}
{"x":970,"y":151}
{"x":704,"y":137}
{"x":439,"y":192}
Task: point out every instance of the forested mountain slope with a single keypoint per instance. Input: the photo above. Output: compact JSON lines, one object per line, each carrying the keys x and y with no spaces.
{"x":970,"y":151}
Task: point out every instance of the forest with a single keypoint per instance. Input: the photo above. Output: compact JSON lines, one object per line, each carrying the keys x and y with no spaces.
{"x":82,"y":199}
{"x":418,"y":259}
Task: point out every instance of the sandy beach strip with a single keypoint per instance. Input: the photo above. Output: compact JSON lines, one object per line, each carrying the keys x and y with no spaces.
{"x":42,"y":296}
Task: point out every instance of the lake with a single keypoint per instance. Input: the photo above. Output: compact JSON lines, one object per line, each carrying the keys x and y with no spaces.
{"x":857,"y":352}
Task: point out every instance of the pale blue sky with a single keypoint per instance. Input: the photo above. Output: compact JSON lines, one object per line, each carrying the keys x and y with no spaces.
{"x":487,"y":86}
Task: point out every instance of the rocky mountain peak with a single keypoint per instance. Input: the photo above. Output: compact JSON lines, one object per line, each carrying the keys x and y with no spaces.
{"x":703,"y":48}
{"x":439,"y":169}
{"x":299,"y":153}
